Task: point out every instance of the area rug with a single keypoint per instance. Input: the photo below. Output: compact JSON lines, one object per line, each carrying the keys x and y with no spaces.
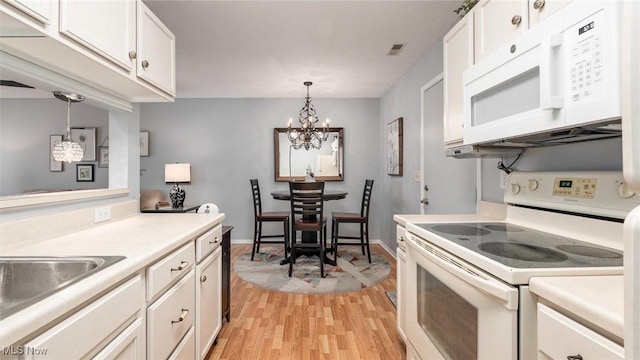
{"x":353,"y":272}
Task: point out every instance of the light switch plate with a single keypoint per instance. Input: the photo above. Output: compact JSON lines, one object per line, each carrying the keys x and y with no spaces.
{"x":416,"y":176}
{"x":102,"y":214}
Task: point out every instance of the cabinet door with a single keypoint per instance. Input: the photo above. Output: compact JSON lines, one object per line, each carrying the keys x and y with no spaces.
{"x":40,"y":10}
{"x":542,"y":9}
{"x":400,"y":283}
{"x":208,"y":301}
{"x":457,"y":57}
{"x":156,"y":62}
{"x":106,"y":27}
{"x":497,"y":22}
{"x":129,"y":345}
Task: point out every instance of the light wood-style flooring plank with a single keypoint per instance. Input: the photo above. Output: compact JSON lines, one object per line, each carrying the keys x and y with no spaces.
{"x":268,"y":324}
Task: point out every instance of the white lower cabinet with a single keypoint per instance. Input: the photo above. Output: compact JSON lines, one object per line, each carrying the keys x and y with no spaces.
{"x":401,"y":260}
{"x":129,"y":345}
{"x":170,"y":317}
{"x":91,"y":328}
{"x":208,"y":301}
{"x":186,"y":350}
{"x":560,"y":337}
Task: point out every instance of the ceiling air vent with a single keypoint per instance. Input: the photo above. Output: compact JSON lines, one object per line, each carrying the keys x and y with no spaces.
{"x":395,"y":49}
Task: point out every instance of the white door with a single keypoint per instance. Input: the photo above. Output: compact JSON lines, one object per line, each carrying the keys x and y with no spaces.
{"x":451,"y":183}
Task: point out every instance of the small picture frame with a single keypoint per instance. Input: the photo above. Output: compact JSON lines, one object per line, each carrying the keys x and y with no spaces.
{"x":86,"y":138}
{"x":54,"y":166}
{"x":103,"y":156}
{"x":144,"y":143}
{"x":84,"y":172}
{"x":394,"y":147}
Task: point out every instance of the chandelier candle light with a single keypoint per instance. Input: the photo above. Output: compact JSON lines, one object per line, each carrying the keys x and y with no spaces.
{"x":177,"y":174}
{"x":68,"y":150}
{"x":307,"y":136}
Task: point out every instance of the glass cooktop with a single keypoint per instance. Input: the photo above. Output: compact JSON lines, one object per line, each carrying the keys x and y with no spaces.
{"x":520,"y":247}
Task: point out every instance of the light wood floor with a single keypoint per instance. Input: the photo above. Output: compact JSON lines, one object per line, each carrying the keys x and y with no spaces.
{"x":268,"y":324}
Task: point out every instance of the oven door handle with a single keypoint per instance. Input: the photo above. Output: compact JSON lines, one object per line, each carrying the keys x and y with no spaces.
{"x":482,"y":282}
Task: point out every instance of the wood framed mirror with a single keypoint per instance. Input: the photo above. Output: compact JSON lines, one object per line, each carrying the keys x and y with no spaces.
{"x":327,"y":163}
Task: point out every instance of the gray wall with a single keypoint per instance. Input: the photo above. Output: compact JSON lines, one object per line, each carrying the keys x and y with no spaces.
{"x":590,"y":155}
{"x":25,"y":126}
{"x":229,"y":141}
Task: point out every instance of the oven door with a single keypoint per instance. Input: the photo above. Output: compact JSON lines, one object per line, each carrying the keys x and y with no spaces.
{"x":455,"y":311}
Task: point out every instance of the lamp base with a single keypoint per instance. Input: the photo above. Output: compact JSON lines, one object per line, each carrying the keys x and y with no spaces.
{"x":177,"y":196}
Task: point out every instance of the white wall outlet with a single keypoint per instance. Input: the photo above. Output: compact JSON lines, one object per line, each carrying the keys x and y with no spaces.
{"x":417,"y":176}
{"x":503,"y":180}
{"x":102,"y":214}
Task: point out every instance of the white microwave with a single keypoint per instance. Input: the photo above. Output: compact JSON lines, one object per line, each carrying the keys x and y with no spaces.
{"x":563,"y":73}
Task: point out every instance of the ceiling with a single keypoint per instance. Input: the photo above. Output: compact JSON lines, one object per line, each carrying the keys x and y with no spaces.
{"x":267,"y":49}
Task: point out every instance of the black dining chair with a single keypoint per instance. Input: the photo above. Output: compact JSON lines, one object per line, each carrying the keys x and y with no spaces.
{"x":307,"y":216}
{"x":361,"y":218}
{"x":264,"y":216}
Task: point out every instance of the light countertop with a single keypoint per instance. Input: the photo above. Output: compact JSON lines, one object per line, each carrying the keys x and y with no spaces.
{"x":598,"y":300}
{"x":142,"y":239}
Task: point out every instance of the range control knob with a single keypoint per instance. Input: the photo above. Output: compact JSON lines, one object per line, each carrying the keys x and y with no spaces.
{"x":533,"y":184}
{"x":625,"y":191}
{"x":515,"y":189}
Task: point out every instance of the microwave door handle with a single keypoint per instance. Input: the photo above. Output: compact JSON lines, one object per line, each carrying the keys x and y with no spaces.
{"x":479,"y":281}
{"x":549,"y":100}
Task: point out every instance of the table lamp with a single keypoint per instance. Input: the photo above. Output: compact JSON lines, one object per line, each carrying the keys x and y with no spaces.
{"x":177,"y":174}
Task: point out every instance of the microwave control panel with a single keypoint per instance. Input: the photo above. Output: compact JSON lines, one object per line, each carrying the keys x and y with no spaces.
{"x":584,"y":42}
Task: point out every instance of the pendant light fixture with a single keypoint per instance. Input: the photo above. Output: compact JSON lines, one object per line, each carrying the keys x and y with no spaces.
{"x":68,"y":150}
{"x":307,"y":136}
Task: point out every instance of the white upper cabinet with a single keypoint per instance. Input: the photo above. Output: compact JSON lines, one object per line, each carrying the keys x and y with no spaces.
{"x":41,"y":10}
{"x":457,"y":57}
{"x":497,"y":22}
{"x":541,"y":9}
{"x":106,"y":27}
{"x":156,"y":60}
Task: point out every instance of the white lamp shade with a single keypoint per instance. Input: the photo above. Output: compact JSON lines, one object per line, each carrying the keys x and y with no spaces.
{"x":177,"y":173}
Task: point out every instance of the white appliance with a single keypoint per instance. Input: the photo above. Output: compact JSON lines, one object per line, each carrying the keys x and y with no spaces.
{"x":469,"y":296}
{"x":631,"y":167}
{"x":559,"y":82}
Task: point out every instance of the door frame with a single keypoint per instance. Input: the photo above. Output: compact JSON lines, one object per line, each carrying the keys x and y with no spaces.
{"x":433,"y":82}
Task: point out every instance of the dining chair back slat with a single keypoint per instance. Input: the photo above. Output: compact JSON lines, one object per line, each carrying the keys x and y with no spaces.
{"x":361,"y":218}
{"x":307,"y":215}
{"x":261,"y":217}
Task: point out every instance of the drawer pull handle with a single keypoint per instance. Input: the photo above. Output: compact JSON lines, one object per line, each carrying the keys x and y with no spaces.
{"x":183,"y":316}
{"x":203,"y":278}
{"x":215,"y":241}
{"x":182,"y":266}
{"x":574,"y":357}
{"x":538,"y":4}
{"x":145,"y":64}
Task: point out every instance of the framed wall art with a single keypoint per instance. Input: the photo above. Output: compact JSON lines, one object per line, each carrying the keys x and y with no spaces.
{"x":84,"y":172}
{"x":103,"y":156}
{"x":54,"y":165}
{"x":394,"y":147}
{"x":144,"y":143}
{"x":86,"y":137}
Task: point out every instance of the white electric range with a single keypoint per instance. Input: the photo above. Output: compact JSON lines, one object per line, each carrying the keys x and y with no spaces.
{"x":471,"y":297}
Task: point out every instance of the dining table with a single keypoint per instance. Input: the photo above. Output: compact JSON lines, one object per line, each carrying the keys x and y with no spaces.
{"x":311,"y":236}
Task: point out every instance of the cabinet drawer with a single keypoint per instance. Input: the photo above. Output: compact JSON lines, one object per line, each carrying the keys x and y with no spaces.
{"x":560,"y":336}
{"x":71,"y":339}
{"x":186,"y":348}
{"x":169,"y":269}
{"x":129,"y":345}
{"x":170,"y":317}
{"x":206,"y":243}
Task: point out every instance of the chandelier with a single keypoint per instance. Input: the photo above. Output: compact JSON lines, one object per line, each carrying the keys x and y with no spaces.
{"x":307,"y":136}
{"x":68,"y":150}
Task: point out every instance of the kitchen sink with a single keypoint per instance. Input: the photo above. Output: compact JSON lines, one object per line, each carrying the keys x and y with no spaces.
{"x":26,"y":280}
